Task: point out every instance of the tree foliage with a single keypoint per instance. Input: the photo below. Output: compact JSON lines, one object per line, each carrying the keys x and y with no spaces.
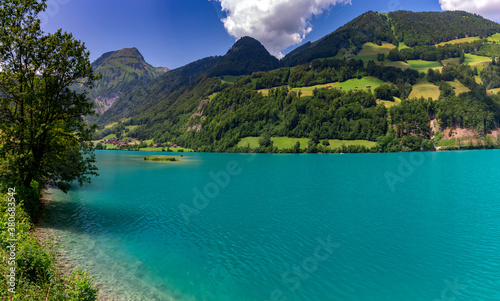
{"x":44,"y":138}
{"x":491,"y":75}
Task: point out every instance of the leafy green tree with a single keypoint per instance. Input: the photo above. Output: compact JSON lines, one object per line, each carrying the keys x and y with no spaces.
{"x":44,"y":139}
{"x":446,"y":90}
{"x":394,"y":55}
{"x":314,"y":137}
{"x":462,"y":58}
{"x":311,"y":147}
{"x":387,"y":92}
{"x":296,"y":147}
{"x":265,"y":140}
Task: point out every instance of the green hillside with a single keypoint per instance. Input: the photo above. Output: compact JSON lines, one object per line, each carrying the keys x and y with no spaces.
{"x":430,"y":28}
{"x":369,"y":27}
{"x":397,"y":28}
{"x":351,"y":85}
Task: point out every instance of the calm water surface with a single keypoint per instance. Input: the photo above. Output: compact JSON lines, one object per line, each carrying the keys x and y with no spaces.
{"x":244,"y":227}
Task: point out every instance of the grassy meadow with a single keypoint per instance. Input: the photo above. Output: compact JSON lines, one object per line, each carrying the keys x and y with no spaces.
{"x":374,"y":49}
{"x":459,"y":87}
{"x":455,"y":61}
{"x":388,"y":103}
{"x":476,"y":60}
{"x":423,"y":66}
{"x":493,"y":91}
{"x":459,"y":41}
{"x":398,"y":64}
{"x":425,"y":89}
{"x":370,"y":51}
{"x":495,"y":38}
{"x":289,"y":143}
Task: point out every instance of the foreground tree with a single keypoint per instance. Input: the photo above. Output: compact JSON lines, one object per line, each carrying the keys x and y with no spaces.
{"x":44,"y":139}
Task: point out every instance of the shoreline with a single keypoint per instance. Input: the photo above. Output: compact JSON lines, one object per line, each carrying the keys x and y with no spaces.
{"x":436,"y":149}
{"x":48,"y":238}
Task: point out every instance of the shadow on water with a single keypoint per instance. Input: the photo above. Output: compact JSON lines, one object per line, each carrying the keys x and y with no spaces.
{"x":64,"y":214}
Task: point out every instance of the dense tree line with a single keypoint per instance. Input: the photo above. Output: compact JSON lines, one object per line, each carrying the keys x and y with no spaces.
{"x":474,"y":110}
{"x":489,"y":50}
{"x":426,"y":53}
{"x":491,"y":75}
{"x":328,"y":114}
{"x":463,"y":73}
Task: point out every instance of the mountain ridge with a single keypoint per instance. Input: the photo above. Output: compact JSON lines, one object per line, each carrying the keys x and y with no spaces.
{"x":120,"y":70}
{"x":246,"y":56}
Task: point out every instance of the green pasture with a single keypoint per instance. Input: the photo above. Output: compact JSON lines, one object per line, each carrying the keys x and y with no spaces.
{"x":423,"y":66}
{"x":455,"y":61}
{"x":351,"y":84}
{"x":459,"y":87}
{"x":476,"y":60}
{"x":374,"y":49}
{"x":494,"y":38}
{"x":388,"y":103}
{"x":425,"y":89}
{"x":289,"y":143}
{"x":459,"y":41}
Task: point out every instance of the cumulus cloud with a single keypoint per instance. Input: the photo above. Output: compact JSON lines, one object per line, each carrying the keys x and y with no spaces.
{"x":487,"y":8}
{"x":277,"y":24}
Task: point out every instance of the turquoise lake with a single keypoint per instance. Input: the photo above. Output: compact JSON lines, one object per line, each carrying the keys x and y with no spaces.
{"x":367,"y":227}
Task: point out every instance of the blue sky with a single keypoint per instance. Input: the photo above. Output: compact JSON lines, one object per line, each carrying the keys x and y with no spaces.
{"x":173,"y":33}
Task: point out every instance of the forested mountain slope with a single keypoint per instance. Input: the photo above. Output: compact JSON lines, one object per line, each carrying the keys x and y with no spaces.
{"x":120,"y":70}
{"x":369,"y":27}
{"x":430,"y":28}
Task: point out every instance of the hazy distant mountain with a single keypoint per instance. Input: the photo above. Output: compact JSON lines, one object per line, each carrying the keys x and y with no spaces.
{"x":120,"y":71}
{"x":161,"y":94}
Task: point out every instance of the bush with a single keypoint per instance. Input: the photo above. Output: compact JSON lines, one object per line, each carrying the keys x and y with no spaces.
{"x":387,"y":92}
{"x":265,"y":140}
{"x":37,"y":277}
{"x":296,"y":148}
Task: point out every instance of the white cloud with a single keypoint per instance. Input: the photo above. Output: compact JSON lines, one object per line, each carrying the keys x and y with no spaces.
{"x":487,"y":8}
{"x":277,"y":24}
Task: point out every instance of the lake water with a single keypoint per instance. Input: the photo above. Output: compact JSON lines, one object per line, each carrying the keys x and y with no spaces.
{"x":392,"y":227}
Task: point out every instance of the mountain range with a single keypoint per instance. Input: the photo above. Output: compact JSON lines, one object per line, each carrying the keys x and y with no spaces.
{"x":373,"y":49}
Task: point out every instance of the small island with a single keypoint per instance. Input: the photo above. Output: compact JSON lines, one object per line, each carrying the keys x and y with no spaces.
{"x":162,"y":158}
